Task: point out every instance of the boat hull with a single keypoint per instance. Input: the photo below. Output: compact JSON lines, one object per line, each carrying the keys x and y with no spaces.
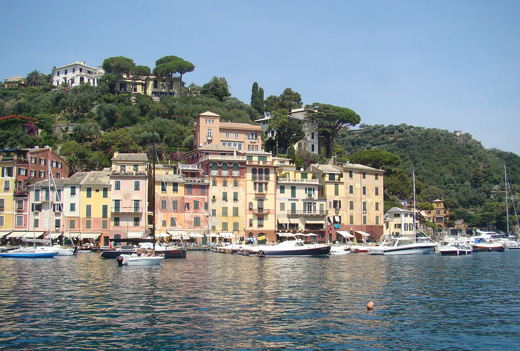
{"x":28,"y":254}
{"x":405,"y":250}
{"x":307,"y":251}
{"x":172,"y":253}
{"x":134,"y":260}
{"x":488,"y":248}
{"x":114,"y":254}
{"x":455,"y":252}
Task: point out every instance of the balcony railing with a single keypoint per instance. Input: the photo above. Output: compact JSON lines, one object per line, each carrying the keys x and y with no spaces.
{"x":203,"y":180}
{"x":305,"y":213}
{"x":260,"y":179}
{"x":298,"y":180}
{"x":260,"y":211}
{"x":128,"y":173}
{"x":127,"y":209}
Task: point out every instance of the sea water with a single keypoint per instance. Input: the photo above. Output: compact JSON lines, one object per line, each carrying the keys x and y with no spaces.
{"x":230,"y":302}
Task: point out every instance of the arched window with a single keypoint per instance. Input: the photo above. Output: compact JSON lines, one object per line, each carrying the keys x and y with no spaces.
{"x":254,"y":173}
{"x":260,"y":174}
{"x":235,"y":169}
{"x":214,"y":169}
{"x":267,"y":174}
{"x":225,"y":171}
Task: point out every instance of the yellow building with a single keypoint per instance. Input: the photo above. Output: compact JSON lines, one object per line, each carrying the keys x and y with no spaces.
{"x":149,"y":85}
{"x":261,"y":197}
{"x":7,"y":203}
{"x":299,"y":206}
{"x":95,"y":206}
{"x":439,"y":215}
{"x":354,"y":196}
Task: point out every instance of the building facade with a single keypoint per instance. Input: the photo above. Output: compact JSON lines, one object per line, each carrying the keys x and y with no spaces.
{"x":75,"y":74}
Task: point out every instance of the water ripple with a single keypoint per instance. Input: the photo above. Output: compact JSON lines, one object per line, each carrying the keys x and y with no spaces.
{"x":215,"y":301}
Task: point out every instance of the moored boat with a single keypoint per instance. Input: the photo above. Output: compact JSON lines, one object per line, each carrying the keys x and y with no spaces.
{"x":453,"y":249}
{"x":28,"y":253}
{"x":291,"y":248}
{"x":139,"y":260}
{"x":403,"y":246}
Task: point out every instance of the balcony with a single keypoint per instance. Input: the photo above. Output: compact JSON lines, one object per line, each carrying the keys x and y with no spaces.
{"x":260,"y":211}
{"x":223,"y":158}
{"x":301,"y":213}
{"x":189,"y":167}
{"x":298,"y":181}
{"x":261,"y":179}
{"x":127,"y":209}
{"x":197,"y":180}
{"x":128,"y":173}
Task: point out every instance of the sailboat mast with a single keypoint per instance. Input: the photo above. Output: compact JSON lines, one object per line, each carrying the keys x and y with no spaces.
{"x":414,"y":214}
{"x":153,"y":193}
{"x":507,"y":200}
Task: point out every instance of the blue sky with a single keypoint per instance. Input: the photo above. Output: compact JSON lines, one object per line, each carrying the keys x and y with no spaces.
{"x":451,"y":65}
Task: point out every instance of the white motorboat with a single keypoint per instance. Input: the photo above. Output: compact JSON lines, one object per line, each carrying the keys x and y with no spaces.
{"x":291,"y":248}
{"x":403,"y":246}
{"x":139,"y":260}
{"x":339,"y":250}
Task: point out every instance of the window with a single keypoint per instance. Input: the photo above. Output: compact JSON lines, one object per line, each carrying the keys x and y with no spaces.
{"x":104,"y":211}
{"x":224,"y":182}
{"x":235,"y":197}
{"x":235,"y":211}
{"x":137,"y":185}
{"x":351,"y":189}
{"x":163,"y":187}
{"x":377,"y":206}
{"x":196,"y":221}
{"x":136,"y":168}
{"x":352,"y":205}
{"x":116,"y":221}
{"x":88,"y":211}
{"x":224,"y":196}
{"x":364,"y":190}
{"x":195,"y":205}
{"x":214,"y":213}
{"x":235,"y":183}
{"x":7,"y":185}
{"x":189,"y":189}
{"x":19,"y":204}
{"x":214,"y":182}
{"x":36,"y":222}
{"x":117,"y":205}
{"x":224,"y":211}
{"x":172,"y":222}
{"x":282,"y":189}
{"x":105,"y":193}
{"x":72,"y":224}
{"x":58,"y":196}
{"x":293,"y":208}
{"x":377,"y":176}
{"x":117,"y":185}
{"x":89,"y":193}
{"x":187,"y":206}
{"x":364,"y":175}
{"x":336,"y":189}
{"x":203,"y":190}
{"x":332,"y":177}
{"x":293,"y":191}
{"x":136,"y":221}
{"x":72,"y":191}
{"x":88,"y":224}
{"x":19,"y":221}
{"x":260,"y":222}
{"x":174,"y":205}
{"x":104,"y":224}
{"x":137,"y":205}
{"x":377,"y":190}
{"x":163,"y":204}
{"x":224,"y":227}
{"x":282,"y":206}
{"x":175,"y":187}
{"x":2,"y":204}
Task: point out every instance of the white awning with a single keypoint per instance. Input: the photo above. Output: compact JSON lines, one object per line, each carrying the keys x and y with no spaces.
{"x":53,"y":235}
{"x":294,"y":220}
{"x":162,"y":235}
{"x":311,"y":234}
{"x":178,"y":234}
{"x":2,"y":234}
{"x":213,"y":235}
{"x":22,"y":234}
{"x":134,"y":235}
{"x":91,"y":235}
{"x":226,"y":235}
{"x":287,"y":235}
{"x":314,"y":222}
{"x":344,"y":234}
{"x":72,"y":235}
{"x":196,"y":235}
{"x":362,"y":233}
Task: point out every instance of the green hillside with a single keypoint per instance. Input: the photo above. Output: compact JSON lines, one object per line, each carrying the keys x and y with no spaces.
{"x":455,"y":168}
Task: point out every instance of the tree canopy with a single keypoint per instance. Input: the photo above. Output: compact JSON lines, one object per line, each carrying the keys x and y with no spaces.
{"x":216,"y":87}
{"x":330,"y":120}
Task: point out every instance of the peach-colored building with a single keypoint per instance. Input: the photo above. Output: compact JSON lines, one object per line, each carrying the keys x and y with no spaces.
{"x":209,"y":129}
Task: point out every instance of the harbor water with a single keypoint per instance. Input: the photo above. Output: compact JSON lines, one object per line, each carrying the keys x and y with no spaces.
{"x":231,"y":302}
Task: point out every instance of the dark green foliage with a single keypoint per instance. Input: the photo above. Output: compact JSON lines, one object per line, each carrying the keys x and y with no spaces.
{"x":257,"y":98}
{"x":453,"y":168}
{"x":288,"y":100}
{"x":216,"y":87}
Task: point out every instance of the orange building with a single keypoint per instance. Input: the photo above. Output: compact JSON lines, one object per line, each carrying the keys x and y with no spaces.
{"x":209,"y":129}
